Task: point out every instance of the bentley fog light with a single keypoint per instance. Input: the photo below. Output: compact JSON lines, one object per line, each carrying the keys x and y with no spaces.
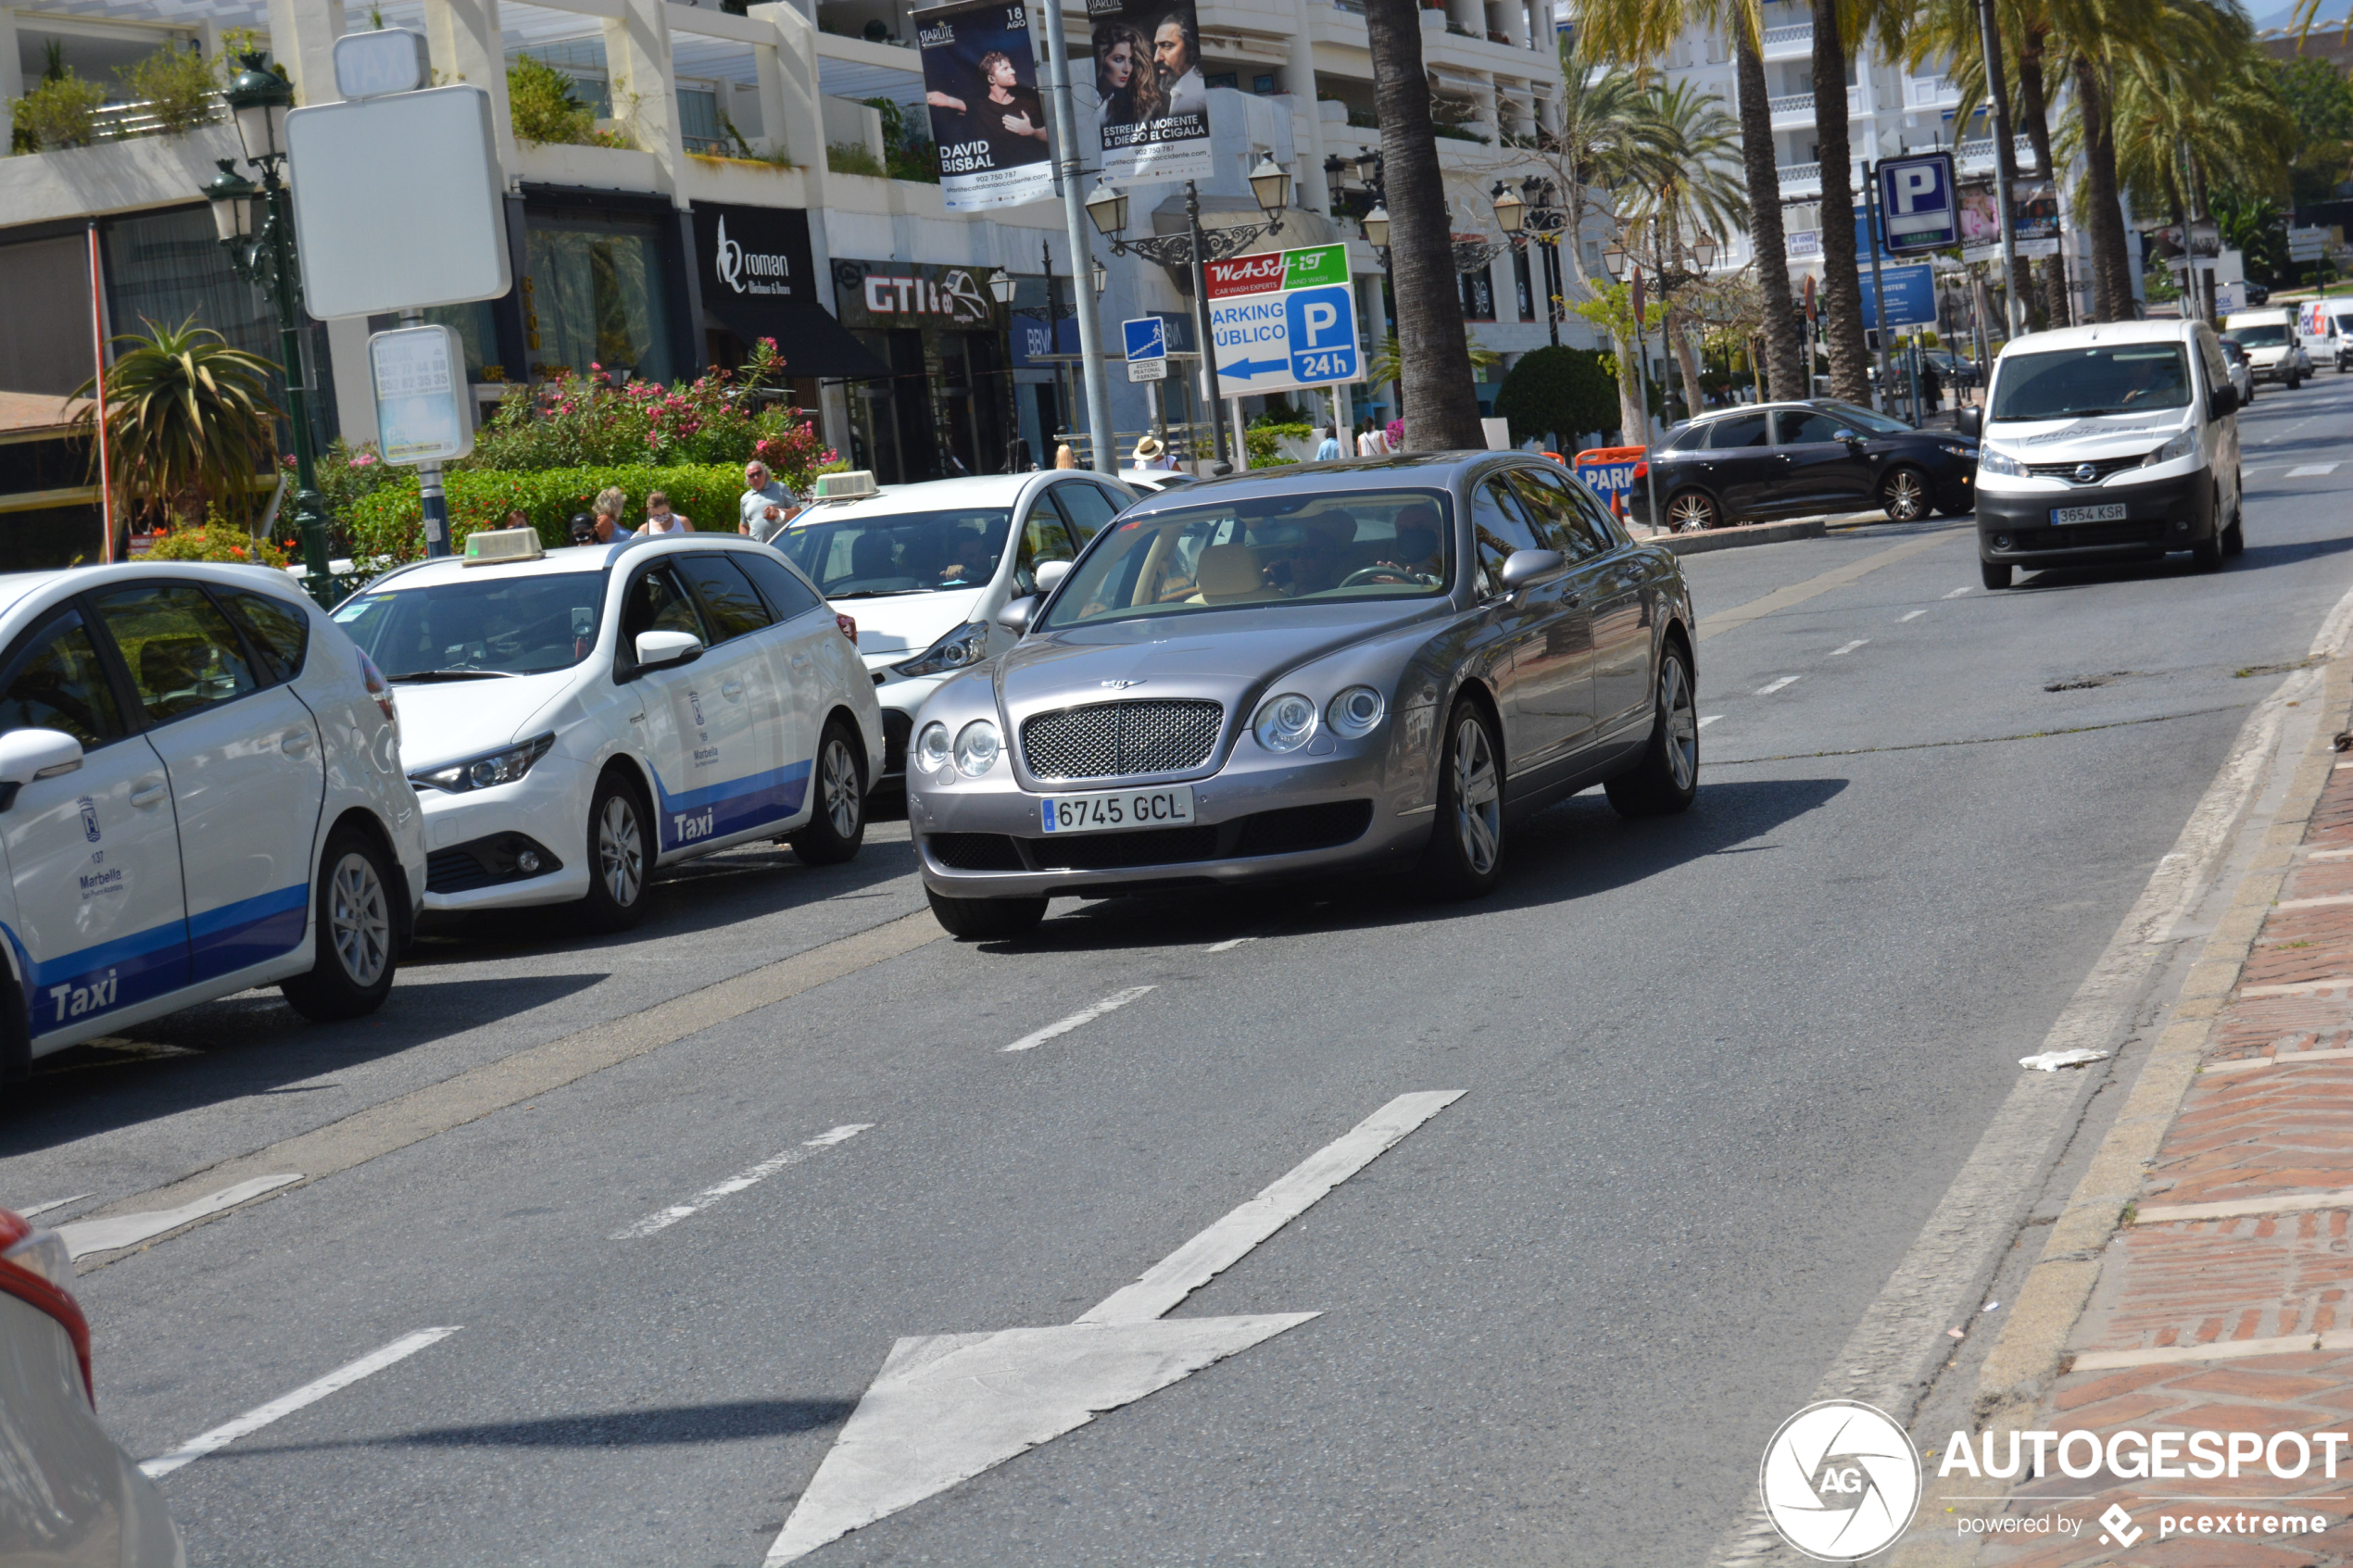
{"x":1354,"y":711}
{"x":932,"y":751}
{"x":1285,"y":722}
{"x":977,"y":745}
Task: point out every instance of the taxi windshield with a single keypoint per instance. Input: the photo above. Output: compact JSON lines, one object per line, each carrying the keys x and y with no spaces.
{"x":874,"y":555}
{"x":482,"y":625}
{"x":1268,"y":549}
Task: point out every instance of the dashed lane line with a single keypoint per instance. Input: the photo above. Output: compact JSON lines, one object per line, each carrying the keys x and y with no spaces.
{"x":1909,"y":615}
{"x":1709,"y":720}
{"x":2312,"y":471}
{"x":1957,"y":593}
{"x":260,"y":1416}
{"x":45,"y":1207}
{"x":1772,"y":686}
{"x":1798,"y":593}
{"x":412,"y":1118}
{"x":1839,"y":653}
{"x":1228,"y":945}
{"x":662,"y":1220}
{"x":1085,"y":1015}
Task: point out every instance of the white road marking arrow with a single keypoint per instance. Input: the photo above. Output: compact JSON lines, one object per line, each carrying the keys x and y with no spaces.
{"x":946,"y":1407}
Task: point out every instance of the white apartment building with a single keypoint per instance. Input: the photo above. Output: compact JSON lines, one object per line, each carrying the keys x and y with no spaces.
{"x":729,"y":116}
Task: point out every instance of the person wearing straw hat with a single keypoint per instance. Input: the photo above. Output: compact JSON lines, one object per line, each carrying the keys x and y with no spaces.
{"x":1151,"y":453}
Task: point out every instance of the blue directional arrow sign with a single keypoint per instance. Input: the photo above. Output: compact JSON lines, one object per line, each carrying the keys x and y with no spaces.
{"x":1285,"y":339}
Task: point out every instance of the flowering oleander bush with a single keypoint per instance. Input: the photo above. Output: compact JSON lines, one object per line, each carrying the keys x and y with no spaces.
{"x":217,"y":542}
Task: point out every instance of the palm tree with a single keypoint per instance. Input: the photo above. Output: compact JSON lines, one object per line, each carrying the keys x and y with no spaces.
{"x":1639,"y":30}
{"x":189,"y":420}
{"x":1695,"y":194}
{"x":1441,"y":409}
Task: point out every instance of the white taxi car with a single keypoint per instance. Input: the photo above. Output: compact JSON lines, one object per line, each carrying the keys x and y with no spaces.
{"x":573,"y":717}
{"x":925,"y":567}
{"x":200,"y":791}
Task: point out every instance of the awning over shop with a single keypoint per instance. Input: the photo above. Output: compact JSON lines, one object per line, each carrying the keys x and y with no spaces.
{"x":813,"y":344}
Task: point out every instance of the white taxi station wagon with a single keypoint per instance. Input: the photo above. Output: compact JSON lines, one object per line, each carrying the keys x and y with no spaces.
{"x":573,"y":717}
{"x":200,"y":791}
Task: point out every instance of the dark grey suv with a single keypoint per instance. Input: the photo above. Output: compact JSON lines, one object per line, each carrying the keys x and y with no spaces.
{"x":1797,"y":460}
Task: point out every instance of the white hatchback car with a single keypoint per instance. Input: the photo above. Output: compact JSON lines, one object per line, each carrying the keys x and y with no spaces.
{"x":200,"y":791}
{"x":575,"y":717}
{"x":925,"y":567}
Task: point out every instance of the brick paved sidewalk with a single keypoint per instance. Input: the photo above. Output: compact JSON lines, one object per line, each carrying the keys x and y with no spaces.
{"x":2222,"y":1303}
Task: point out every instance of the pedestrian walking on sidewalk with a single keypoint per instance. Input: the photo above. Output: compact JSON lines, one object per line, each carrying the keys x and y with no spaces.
{"x":610,"y":503}
{"x":660,"y":520}
{"x":1327,"y":450}
{"x":767,"y":505}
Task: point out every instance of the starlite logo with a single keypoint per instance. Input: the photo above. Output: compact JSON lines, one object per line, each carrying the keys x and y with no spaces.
{"x":1841,"y":1480}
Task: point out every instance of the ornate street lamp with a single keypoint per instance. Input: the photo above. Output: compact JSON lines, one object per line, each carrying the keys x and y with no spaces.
{"x":256,"y":226}
{"x":1511,"y":209}
{"x":1375,"y":226}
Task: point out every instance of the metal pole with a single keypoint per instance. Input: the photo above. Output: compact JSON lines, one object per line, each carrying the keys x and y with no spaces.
{"x":310,"y":508}
{"x":1643,"y":408}
{"x":1879,"y":295}
{"x":98,"y":371}
{"x":1198,"y":249}
{"x":1989,"y":41}
{"x":1099,"y":435}
{"x":431,"y":502}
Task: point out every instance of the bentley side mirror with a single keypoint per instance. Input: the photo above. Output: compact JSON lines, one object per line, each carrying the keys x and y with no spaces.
{"x":1049,"y":573}
{"x":663,"y":650}
{"x":27,"y":755}
{"x":1014,"y":617}
{"x":1530,"y":566}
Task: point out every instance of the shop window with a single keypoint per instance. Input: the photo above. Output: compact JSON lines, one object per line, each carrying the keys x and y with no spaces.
{"x":599,"y":294}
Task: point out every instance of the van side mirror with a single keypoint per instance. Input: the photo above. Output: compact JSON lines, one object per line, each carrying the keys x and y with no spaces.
{"x":27,"y":755}
{"x":1970,"y":422}
{"x":663,"y":650}
{"x":2224,"y":399}
{"x":1014,"y":617}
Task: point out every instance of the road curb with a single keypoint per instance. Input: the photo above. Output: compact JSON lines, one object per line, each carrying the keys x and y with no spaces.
{"x":1745,"y":534}
{"x":2030,"y":1353}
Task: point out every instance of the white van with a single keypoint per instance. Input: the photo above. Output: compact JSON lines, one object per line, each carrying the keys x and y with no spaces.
{"x":2110,"y":443}
{"x":2326,"y":328}
{"x":2274,"y":351}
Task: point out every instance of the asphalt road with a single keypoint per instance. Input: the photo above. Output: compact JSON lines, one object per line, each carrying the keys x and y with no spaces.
{"x":1714,"y":1073}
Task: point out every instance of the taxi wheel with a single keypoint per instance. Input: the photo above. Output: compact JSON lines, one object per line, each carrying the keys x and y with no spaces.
{"x":352,"y":958}
{"x":979,"y":920}
{"x":1466,"y":854}
{"x":619,"y":857}
{"x":837,"y":820}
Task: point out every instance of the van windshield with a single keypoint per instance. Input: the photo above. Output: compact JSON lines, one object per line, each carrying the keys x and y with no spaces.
{"x":2261,"y":334}
{"x":2124,"y":378}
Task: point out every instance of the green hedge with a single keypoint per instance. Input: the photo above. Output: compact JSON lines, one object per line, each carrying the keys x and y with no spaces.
{"x":386,"y":526}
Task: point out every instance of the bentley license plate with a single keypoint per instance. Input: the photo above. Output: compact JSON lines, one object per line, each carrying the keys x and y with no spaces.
{"x":2111,"y":513}
{"x":1168,"y":806}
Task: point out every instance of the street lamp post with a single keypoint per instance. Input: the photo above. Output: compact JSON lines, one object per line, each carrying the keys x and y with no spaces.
{"x":1004,"y":285}
{"x":1195,"y":248}
{"x":256,"y":226}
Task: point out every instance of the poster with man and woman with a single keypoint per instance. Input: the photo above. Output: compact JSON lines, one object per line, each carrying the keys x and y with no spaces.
{"x":1152,"y":111}
{"x":981,"y":81}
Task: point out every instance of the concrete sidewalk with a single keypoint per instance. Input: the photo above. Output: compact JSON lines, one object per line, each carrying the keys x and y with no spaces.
{"x":2201,"y":1286}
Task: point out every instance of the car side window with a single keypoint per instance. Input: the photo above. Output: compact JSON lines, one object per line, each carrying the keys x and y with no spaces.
{"x":656,"y":603}
{"x":1598,"y":517}
{"x":1498,"y":528}
{"x":1044,"y":537}
{"x":278,"y":630}
{"x":1087,"y":506}
{"x":1795,"y":427}
{"x":180,"y":650}
{"x":730,"y":603}
{"x":1739,"y":430}
{"x":58,"y":683}
{"x":787,"y":595}
{"x":1553,"y":505}
{"x":2218,"y":374}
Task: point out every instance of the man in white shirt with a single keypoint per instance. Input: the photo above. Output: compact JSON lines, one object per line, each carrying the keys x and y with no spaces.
{"x":767,"y":505}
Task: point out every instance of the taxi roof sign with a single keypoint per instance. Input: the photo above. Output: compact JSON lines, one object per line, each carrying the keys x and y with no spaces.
{"x":494,"y":546}
{"x":855,"y":485}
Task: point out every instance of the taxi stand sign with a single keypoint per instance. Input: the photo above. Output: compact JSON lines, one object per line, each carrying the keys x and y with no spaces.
{"x":1918,"y":203}
{"x":1147,"y":348}
{"x":424,"y":409}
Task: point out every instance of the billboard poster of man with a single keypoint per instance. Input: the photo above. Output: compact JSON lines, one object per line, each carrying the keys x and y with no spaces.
{"x":981,"y":81}
{"x":2033,"y":210}
{"x":1153,"y":106}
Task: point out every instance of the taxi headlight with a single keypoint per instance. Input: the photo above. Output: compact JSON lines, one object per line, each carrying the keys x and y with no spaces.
{"x":1993,"y":459}
{"x":1354,"y":711}
{"x":959,"y":649}
{"x":932,"y":751}
{"x":1285,"y":722}
{"x":489,"y":771}
{"x":977,"y":745}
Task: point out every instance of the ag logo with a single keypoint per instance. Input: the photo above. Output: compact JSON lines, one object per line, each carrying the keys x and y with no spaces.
{"x":89,"y":818}
{"x":1841,"y":1480}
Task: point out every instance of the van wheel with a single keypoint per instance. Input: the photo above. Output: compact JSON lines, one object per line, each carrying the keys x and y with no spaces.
{"x":1996,"y":574}
{"x":1667,"y":778}
{"x":352,"y":957}
{"x":982,"y":920}
{"x":621,"y":857}
{"x":837,"y":820}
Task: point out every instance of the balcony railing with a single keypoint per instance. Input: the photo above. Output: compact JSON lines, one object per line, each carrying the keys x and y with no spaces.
{"x":1979,"y":153}
{"x":1779,"y":40}
{"x":1800,"y":174}
{"x":120,"y":122}
{"x":1803,"y":103}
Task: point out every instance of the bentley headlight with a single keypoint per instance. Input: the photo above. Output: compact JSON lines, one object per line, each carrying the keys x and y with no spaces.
{"x":487,"y":771}
{"x":932,"y":750}
{"x":1285,"y":722}
{"x":959,"y":649}
{"x":977,"y":745}
{"x":1993,"y":459}
{"x":2180,"y":445}
{"x":1354,"y":712}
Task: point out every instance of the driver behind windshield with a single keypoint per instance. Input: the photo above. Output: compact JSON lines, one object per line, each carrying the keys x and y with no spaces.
{"x":1415,"y":550}
{"x":1317,"y":559}
{"x":973,"y":562}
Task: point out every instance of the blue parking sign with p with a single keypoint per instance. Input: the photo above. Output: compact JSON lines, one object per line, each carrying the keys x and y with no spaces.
{"x":1918,"y":205}
{"x":1321,"y":324}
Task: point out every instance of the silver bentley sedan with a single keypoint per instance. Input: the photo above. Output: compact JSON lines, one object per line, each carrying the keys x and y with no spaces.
{"x":1348,"y":667}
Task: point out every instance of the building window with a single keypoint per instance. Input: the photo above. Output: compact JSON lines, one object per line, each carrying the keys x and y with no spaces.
{"x":1479,"y":295}
{"x":1265,"y":84}
{"x":1527,"y":285}
{"x":598,"y":293}
{"x":698,"y":124}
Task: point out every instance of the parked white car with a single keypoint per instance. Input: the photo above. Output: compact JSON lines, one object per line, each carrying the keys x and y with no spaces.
{"x":69,"y":1497}
{"x":200,"y":792}
{"x":925,"y":567}
{"x":576,"y":717}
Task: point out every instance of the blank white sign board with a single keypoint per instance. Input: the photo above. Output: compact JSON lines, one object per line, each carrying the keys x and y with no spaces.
{"x":397,"y":203}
